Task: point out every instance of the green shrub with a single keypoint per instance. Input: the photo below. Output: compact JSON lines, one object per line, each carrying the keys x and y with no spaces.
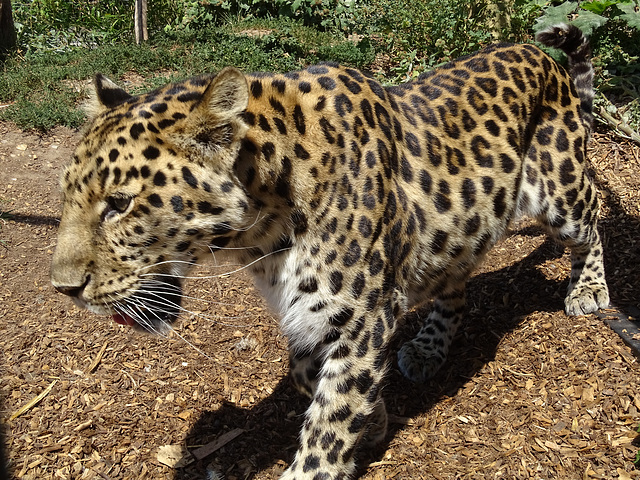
{"x":636,"y":443}
{"x":45,"y":89}
{"x":44,"y":25}
{"x":420,"y":34}
{"x":326,"y":14}
{"x":64,"y":43}
{"x":58,"y":25}
{"x":614,"y":28}
{"x":52,"y":109}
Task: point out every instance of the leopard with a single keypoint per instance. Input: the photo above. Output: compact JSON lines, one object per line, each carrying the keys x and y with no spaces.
{"x":350,"y":203}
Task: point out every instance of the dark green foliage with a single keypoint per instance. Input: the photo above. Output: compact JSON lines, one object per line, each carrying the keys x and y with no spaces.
{"x":46,"y":112}
{"x":425,"y":33}
{"x":636,"y":443}
{"x":45,"y":25}
{"x":325,"y":14}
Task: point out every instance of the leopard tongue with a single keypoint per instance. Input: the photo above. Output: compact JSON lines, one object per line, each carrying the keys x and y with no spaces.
{"x":123,"y":319}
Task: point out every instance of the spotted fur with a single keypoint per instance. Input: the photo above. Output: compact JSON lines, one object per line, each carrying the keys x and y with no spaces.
{"x":350,"y":203}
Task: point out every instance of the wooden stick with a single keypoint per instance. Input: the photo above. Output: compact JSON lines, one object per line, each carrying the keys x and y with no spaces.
{"x":616,"y":122}
{"x":33,"y":402}
{"x":96,"y":360}
{"x":218,"y":443}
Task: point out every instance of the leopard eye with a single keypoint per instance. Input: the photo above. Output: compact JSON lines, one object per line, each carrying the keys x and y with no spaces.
{"x":116,"y":204}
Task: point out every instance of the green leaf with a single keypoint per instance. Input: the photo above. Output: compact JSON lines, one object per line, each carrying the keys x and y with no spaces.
{"x":554,"y":15}
{"x":598,"y":6}
{"x":588,"y":22}
{"x":630,"y":14}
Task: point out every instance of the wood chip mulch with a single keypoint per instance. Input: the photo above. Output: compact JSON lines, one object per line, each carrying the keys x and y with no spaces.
{"x":528,"y":393}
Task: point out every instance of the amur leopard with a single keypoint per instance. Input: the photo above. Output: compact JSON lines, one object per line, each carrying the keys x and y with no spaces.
{"x":350,"y":202}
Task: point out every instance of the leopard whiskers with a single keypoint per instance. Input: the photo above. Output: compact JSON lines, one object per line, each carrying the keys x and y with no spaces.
{"x":158,"y":287}
{"x":133,"y":309}
{"x":219,"y":275}
{"x":167,"y":326}
{"x":158,"y":302}
{"x":259,"y":217}
{"x":181,"y":337}
{"x":152,"y":293}
{"x":248,"y":227}
{"x":188,"y":264}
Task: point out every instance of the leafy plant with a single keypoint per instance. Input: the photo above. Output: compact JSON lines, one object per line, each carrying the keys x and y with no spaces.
{"x":4,"y":215}
{"x":326,"y":14}
{"x":614,"y":28}
{"x":45,"y":89}
{"x":420,"y":34}
{"x":58,"y":25}
{"x":590,"y":16}
{"x":636,"y":442}
{"x":44,"y":25}
{"x":64,"y":43}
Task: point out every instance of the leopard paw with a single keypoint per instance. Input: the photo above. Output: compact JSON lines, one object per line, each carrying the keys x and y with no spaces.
{"x":419,"y":363}
{"x":585,"y":299}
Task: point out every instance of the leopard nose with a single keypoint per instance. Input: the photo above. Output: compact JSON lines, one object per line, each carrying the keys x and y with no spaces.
{"x":73,"y":290}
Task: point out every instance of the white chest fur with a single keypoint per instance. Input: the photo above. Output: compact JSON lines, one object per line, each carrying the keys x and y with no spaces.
{"x":304,"y":316}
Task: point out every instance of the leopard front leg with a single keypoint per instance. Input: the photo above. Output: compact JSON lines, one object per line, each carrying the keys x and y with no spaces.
{"x":304,"y":370}
{"x":346,"y":407}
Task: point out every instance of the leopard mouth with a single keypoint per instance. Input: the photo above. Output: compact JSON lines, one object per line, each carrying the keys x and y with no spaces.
{"x":153,"y":307}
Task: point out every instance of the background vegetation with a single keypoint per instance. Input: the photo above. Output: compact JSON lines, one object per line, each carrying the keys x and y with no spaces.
{"x":61,"y":44}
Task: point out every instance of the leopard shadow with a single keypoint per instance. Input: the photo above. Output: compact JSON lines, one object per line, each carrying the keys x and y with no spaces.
{"x":272,"y":426}
{"x":490,"y":318}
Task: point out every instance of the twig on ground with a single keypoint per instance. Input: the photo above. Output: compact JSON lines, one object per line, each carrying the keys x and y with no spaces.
{"x":33,"y":402}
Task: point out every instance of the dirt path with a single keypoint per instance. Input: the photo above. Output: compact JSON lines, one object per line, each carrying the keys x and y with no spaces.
{"x":527,"y":394}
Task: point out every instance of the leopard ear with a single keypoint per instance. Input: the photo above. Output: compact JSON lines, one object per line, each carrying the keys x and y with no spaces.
{"x":105,"y":95}
{"x":227,"y":96}
{"x":216,"y":123}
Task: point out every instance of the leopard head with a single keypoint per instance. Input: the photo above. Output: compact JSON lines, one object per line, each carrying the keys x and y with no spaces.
{"x":151,"y":188}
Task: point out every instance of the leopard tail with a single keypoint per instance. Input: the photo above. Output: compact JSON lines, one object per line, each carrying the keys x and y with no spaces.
{"x":572,"y":41}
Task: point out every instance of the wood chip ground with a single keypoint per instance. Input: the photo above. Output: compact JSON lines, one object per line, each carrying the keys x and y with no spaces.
{"x":528,"y":392}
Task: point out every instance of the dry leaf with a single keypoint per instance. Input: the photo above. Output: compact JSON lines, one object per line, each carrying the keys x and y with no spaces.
{"x":623,"y":474}
{"x":174,"y":456}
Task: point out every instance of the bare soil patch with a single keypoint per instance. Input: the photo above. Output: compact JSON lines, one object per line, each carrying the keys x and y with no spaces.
{"x":528,"y":393}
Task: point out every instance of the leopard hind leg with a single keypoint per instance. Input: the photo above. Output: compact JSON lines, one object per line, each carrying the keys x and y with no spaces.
{"x":587,"y":291}
{"x":421,"y":358}
{"x":572,"y":221}
{"x":304,"y":369}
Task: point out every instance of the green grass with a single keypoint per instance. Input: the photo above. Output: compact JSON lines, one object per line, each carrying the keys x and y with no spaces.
{"x":45,"y":80}
{"x":46,"y":88}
